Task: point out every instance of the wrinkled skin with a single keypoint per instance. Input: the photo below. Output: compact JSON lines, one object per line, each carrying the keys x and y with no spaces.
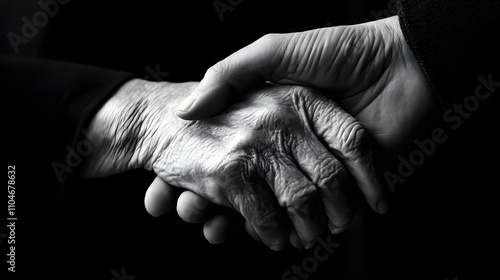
{"x":368,"y":69}
{"x":270,"y":157}
{"x":264,"y":158}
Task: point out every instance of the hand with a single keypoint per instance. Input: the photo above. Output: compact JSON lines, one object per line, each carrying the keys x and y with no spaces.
{"x":263,"y":157}
{"x":128,"y":128}
{"x":368,"y":69}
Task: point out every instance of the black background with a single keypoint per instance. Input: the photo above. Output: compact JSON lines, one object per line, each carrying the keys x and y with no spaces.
{"x":442,"y":220}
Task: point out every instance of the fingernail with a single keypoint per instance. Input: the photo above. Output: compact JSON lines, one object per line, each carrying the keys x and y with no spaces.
{"x":308,"y":245}
{"x":187,"y":103}
{"x":338,"y":230}
{"x":277,"y":247}
{"x":382,"y":206}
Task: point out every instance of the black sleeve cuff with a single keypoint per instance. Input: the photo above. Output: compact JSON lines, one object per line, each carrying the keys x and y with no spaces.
{"x":453,"y":41}
{"x":52,"y":103}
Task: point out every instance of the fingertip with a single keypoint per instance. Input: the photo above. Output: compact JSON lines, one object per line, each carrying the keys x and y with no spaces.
{"x":192,"y":208}
{"x":276,"y":240}
{"x":186,"y":104}
{"x":379,"y":198}
{"x":160,"y":198}
{"x":382,"y":206}
{"x":308,"y":244}
{"x":278,"y":247}
{"x":337,"y":230}
{"x":215,"y":228}
{"x":295,"y":240}
{"x":205,"y":101}
{"x":251,"y":231}
{"x":220,"y":228}
{"x":202,"y":108}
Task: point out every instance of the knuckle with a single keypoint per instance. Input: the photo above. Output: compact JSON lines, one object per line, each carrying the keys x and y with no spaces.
{"x":220,"y":179}
{"x":355,"y":140}
{"x":329,"y":169}
{"x":266,"y":220}
{"x":213,"y":191}
{"x":229,"y":178}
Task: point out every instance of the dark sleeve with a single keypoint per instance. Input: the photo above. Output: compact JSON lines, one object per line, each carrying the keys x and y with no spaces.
{"x":455,"y":42}
{"x":49,"y":104}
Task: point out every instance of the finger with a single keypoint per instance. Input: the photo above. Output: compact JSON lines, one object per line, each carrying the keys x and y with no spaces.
{"x":300,"y":197}
{"x":192,"y":208}
{"x":331,"y":179}
{"x":160,"y":198}
{"x":266,"y":217}
{"x":350,"y":143}
{"x":295,"y":240}
{"x":233,"y":76}
{"x":222,"y":226}
{"x":252,"y":198}
{"x":251,"y":231}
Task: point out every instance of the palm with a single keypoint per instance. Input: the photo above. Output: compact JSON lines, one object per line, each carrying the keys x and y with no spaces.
{"x":393,"y":110}
{"x":369,"y":71}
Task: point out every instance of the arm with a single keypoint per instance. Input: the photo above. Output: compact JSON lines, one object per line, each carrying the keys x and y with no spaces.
{"x":54,"y":101}
{"x":133,"y":127}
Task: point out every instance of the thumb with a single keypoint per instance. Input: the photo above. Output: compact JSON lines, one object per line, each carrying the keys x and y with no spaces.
{"x":232,"y":77}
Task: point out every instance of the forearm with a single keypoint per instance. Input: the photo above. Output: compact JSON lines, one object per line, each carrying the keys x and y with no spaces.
{"x":133,"y":127}
{"x":53,"y":101}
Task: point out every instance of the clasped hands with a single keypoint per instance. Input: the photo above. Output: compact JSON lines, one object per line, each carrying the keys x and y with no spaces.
{"x":289,"y":132}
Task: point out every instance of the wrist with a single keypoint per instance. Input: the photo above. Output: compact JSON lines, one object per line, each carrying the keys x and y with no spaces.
{"x":114,"y":130}
{"x":135,"y":124}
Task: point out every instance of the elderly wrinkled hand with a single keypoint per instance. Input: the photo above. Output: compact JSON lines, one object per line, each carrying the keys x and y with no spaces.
{"x":266,"y":158}
{"x":367,"y":68}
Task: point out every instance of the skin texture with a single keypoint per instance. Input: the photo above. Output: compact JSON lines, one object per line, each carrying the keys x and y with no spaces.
{"x":268,"y":157}
{"x":264,"y":157}
{"x":368,"y":69}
